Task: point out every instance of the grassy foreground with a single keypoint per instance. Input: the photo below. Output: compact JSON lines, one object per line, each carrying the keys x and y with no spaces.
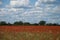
{"x":29,"y":33}
{"x":28,"y":36}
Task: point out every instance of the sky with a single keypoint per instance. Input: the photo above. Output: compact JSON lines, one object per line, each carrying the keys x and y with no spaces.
{"x":31,"y":11}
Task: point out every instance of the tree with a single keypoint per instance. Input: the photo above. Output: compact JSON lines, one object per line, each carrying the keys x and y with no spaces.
{"x":49,"y":24}
{"x":52,"y":24}
{"x":27,"y":23}
{"x":18,"y":23}
{"x":35,"y":24}
{"x":55,"y":24}
{"x":3,"y":23}
{"x":9,"y":24}
{"x":42,"y":22}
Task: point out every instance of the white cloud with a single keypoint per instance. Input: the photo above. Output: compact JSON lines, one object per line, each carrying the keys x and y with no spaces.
{"x":56,"y":9}
{"x":38,"y":12}
{"x":40,"y":2}
{"x":19,"y":2}
{"x":0,"y":2}
{"x":33,"y":14}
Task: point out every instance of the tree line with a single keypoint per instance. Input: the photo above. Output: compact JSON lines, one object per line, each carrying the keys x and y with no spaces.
{"x":27,"y":23}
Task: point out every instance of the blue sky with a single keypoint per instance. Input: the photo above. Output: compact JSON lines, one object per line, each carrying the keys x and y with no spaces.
{"x":31,"y":11}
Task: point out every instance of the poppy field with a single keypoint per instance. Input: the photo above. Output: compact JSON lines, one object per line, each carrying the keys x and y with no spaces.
{"x":29,"y":33}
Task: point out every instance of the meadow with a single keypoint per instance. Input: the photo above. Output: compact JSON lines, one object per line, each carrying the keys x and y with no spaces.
{"x":29,"y":33}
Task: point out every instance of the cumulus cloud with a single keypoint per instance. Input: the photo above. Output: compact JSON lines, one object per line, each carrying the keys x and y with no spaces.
{"x":18,"y":3}
{"x":11,"y":14}
{"x":41,"y":2}
{"x":0,"y":2}
{"x":15,"y":11}
{"x":56,"y":9}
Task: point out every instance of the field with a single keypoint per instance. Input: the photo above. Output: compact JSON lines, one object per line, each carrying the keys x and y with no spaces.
{"x":29,"y":33}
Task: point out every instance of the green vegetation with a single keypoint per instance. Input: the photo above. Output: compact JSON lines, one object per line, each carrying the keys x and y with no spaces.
{"x":3,"y":23}
{"x":18,"y":23}
{"x":42,"y":23}
{"x":27,"y":23}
